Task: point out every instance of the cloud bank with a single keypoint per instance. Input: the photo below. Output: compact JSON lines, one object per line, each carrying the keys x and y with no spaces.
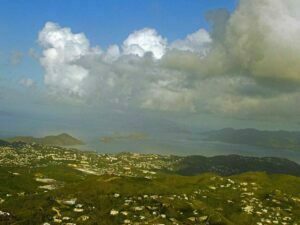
{"x":247,"y":66}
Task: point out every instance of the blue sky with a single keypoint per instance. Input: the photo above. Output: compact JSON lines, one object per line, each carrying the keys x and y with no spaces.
{"x":103,"y":22}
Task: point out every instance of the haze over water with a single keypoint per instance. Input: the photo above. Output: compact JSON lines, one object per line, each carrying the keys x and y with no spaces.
{"x":186,"y":145}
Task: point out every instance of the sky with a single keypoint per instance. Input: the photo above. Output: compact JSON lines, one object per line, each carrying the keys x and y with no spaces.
{"x":94,"y":68}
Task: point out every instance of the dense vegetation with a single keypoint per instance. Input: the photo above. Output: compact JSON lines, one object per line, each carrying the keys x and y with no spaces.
{"x":235,"y":164}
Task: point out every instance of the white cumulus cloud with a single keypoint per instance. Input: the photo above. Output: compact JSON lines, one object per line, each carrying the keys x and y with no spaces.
{"x":62,"y":49}
{"x":143,"y":41}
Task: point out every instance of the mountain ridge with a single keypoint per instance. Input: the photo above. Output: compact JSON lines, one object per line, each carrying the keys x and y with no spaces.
{"x":62,"y":139}
{"x":279,"y":139}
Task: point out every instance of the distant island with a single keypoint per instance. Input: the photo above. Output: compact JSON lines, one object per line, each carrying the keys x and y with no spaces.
{"x":59,"y":140}
{"x":135,"y":136}
{"x":268,"y":139}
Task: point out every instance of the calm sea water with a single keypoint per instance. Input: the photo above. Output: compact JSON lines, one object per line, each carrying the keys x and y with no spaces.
{"x":186,"y":146}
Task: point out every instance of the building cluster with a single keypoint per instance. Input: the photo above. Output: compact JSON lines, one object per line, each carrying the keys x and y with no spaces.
{"x":123,"y":164}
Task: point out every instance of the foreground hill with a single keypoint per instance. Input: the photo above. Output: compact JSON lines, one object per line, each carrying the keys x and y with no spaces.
{"x":58,"y":140}
{"x":253,"y":137}
{"x":56,"y":185}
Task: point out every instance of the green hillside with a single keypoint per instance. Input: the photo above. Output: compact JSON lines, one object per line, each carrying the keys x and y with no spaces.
{"x":42,"y":184}
{"x":168,"y":199}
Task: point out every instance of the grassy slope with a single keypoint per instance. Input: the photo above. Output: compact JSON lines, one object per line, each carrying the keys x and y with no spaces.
{"x":96,"y":191}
